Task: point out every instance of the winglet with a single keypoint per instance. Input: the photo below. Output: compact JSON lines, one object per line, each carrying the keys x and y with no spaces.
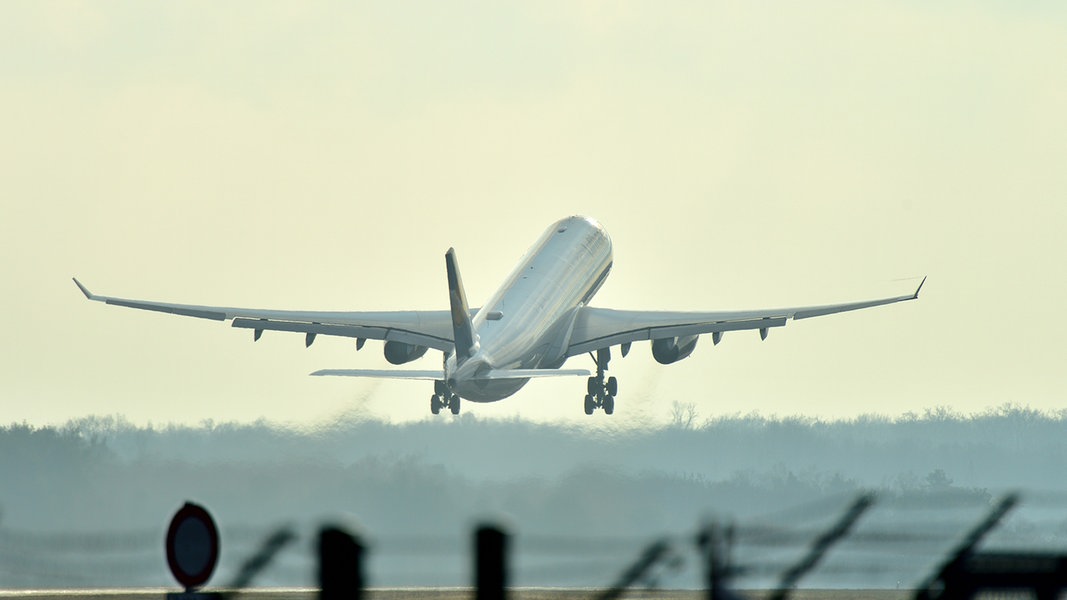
{"x":84,"y":289}
{"x":916,"y":296}
{"x":462,"y":329}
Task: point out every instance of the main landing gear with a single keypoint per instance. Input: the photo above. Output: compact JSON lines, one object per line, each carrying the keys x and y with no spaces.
{"x":601,"y":392}
{"x":443,"y":398}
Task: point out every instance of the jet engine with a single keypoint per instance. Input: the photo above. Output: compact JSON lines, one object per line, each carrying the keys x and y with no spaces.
{"x":398,"y":353}
{"x":669,"y":350}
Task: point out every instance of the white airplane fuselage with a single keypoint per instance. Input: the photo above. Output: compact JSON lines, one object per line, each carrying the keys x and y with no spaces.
{"x":526,"y":324}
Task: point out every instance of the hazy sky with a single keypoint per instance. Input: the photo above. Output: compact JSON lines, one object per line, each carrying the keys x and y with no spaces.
{"x":325,"y":155}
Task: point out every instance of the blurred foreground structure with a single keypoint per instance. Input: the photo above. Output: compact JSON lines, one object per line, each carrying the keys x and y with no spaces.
{"x":345,"y":563}
{"x":965,"y":574}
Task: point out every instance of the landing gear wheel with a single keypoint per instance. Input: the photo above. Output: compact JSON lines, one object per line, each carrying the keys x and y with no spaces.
{"x":602,"y":391}
{"x":592,"y":386}
{"x":609,"y":404}
{"x":435,"y":404}
{"x":453,"y":404}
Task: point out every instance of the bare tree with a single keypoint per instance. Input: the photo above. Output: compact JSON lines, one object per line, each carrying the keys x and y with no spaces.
{"x":683,"y":416}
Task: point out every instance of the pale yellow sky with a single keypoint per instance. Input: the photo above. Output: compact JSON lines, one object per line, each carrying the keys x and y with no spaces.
{"x":325,"y":155}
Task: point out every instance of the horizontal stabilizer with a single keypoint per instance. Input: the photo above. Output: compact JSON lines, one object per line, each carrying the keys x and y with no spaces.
{"x":533,"y":373}
{"x":380,"y":373}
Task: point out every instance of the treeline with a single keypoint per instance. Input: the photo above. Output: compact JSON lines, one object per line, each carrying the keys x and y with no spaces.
{"x":1009,"y":446}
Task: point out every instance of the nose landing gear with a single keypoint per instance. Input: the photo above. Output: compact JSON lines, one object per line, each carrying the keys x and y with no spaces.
{"x":601,"y":391}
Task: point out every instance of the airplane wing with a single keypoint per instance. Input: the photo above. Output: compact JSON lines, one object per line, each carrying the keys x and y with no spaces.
{"x":597,"y":328}
{"x":439,"y":374}
{"x":432,"y":329}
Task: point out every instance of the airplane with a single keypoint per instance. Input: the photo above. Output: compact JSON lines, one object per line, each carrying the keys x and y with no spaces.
{"x":528,"y":329}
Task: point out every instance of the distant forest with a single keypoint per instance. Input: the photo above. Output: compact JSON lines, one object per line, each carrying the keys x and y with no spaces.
{"x":104,"y":479}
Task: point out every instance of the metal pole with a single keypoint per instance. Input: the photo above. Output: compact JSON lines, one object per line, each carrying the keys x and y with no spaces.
{"x":340,"y":565}
{"x":490,"y":571}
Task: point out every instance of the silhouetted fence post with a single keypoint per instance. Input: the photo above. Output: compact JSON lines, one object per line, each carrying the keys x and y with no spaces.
{"x":490,"y":570}
{"x":340,"y":565}
{"x":708,"y":544}
{"x":715,"y":547}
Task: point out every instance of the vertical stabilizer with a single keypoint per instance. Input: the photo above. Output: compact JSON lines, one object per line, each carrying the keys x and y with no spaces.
{"x":462,"y":329}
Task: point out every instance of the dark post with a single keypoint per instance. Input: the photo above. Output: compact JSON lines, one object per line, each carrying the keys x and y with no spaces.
{"x":717,"y":569}
{"x":340,"y":565}
{"x":709,"y":541}
{"x":490,"y":570}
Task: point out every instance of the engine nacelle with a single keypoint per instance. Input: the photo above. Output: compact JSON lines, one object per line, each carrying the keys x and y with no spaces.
{"x":669,"y":350}
{"x":398,"y":353}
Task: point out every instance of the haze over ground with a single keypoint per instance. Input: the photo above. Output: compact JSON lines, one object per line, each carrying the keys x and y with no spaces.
{"x":325,"y":155}
{"x":87,"y":505}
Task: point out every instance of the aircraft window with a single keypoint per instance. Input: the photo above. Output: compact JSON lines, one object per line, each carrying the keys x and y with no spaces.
{"x":561,"y":230}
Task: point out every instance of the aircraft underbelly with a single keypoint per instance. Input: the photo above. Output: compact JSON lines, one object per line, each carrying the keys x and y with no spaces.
{"x":488,"y":390}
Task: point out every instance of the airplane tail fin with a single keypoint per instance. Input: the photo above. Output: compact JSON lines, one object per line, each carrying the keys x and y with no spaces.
{"x":462,"y":329}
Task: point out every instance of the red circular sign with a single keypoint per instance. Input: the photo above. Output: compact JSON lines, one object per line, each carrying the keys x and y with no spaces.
{"x":192,"y":546}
